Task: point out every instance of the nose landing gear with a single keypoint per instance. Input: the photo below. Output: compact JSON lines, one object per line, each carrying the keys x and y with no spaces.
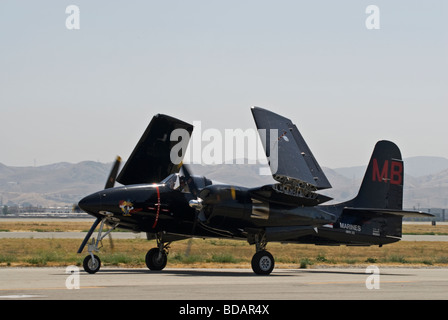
{"x":92,"y":263}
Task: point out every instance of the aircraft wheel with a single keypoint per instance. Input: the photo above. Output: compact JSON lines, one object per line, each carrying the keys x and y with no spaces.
{"x":154,"y":261}
{"x":91,"y":265}
{"x":263,"y":263}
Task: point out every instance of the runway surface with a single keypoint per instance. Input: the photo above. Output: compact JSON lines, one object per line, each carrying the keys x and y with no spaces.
{"x":224,"y":284}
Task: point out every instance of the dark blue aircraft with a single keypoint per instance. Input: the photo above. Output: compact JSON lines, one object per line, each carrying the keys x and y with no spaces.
{"x":164,"y":200}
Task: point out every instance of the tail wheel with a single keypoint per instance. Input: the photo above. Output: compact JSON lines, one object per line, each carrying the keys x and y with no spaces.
{"x":263,"y":262}
{"x":156,"y":259}
{"x":91,"y":264}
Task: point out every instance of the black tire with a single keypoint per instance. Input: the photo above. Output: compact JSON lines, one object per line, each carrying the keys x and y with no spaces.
{"x":263,"y":263}
{"x":91,"y":265}
{"x":154,"y":261}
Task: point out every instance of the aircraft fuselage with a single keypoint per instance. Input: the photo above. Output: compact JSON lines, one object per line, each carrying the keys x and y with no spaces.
{"x":154,"y":208}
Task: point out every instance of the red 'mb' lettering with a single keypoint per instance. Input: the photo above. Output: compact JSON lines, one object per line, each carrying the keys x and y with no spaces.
{"x":376,"y":176}
{"x":396,"y":172}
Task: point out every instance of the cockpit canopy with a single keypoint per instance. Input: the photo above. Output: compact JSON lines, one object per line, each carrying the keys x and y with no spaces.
{"x":177,"y":181}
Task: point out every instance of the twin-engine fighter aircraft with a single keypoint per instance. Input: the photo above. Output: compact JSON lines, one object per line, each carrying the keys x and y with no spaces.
{"x":164,"y":200}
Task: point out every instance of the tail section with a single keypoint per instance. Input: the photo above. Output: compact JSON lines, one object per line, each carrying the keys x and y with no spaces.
{"x":382,"y":186}
{"x":375,"y":215}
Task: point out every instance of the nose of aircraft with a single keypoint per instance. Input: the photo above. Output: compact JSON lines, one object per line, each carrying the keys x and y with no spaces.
{"x":91,"y":203}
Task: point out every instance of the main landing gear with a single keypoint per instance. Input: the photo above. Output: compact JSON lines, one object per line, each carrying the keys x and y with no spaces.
{"x":156,"y":258}
{"x":262,"y":261}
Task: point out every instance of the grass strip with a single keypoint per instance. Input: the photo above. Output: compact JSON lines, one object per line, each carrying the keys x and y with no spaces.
{"x":221,"y":253}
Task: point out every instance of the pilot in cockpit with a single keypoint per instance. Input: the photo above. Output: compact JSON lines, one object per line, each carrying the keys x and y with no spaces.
{"x":176,"y":182}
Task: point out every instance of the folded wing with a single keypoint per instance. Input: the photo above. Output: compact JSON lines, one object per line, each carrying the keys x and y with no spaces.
{"x":290,"y":158}
{"x":150,"y":161}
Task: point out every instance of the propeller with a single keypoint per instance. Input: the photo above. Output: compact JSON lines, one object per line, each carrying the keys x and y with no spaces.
{"x":206,"y":196}
{"x":195,"y":203}
{"x":113,"y":174}
{"x":110,"y":184}
{"x":202,"y":198}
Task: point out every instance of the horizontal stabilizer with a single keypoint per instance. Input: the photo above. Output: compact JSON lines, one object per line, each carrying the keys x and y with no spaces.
{"x":287,"y":152}
{"x":403,"y":213}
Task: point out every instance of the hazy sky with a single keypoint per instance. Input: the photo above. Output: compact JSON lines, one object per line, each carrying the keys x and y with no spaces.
{"x":88,"y":94}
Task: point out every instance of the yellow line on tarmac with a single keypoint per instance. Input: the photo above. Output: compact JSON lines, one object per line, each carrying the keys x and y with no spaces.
{"x":60,"y":288}
{"x":356,"y":282}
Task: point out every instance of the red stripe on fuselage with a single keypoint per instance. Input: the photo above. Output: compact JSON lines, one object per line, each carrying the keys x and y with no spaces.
{"x":158,"y":208}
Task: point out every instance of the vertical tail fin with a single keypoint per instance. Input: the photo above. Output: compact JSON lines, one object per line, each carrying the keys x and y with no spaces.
{"x":382,"y":186}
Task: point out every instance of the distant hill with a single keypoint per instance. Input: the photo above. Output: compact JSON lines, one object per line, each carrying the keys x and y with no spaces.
{"x":413,"y":166}
{"x":60,"y":184}
{"x":425,"y":182}
{"x":51,"y":185}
